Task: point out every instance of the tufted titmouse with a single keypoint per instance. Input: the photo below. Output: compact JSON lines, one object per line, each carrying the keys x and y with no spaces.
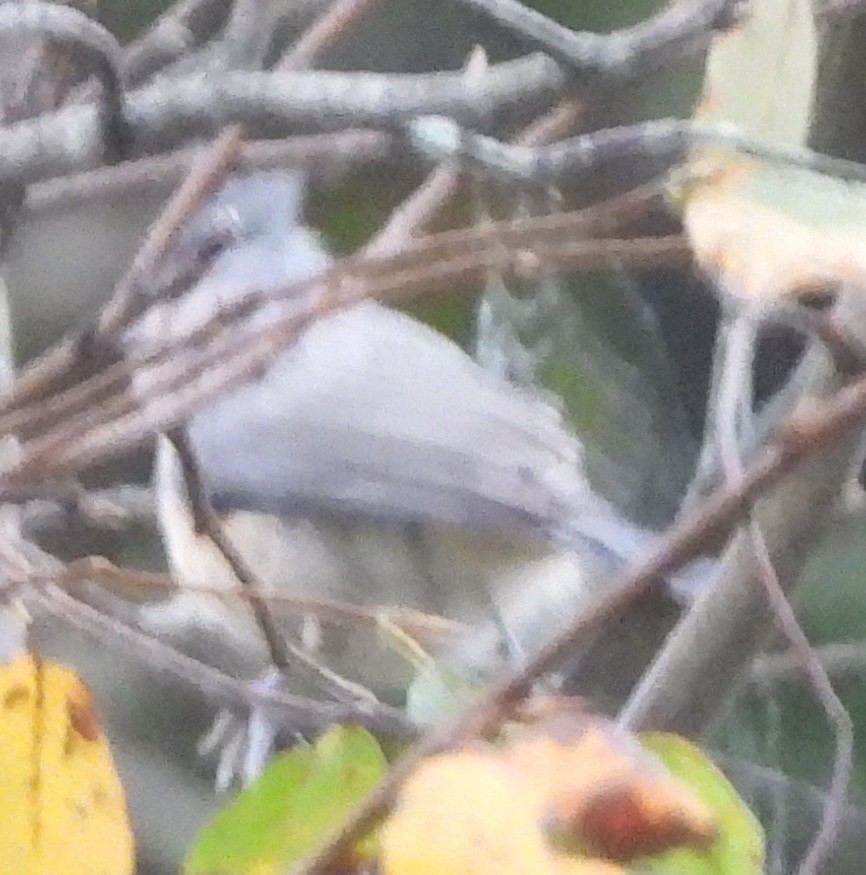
{"x":376,"y":463}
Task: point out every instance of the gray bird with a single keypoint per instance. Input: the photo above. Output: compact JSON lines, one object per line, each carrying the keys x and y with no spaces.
{"x":375,"y":463}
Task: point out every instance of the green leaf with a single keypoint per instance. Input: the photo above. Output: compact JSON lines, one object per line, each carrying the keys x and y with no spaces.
{"x":739,"y":848}
{"x":439,"y":693}
{"x":301,"y":799}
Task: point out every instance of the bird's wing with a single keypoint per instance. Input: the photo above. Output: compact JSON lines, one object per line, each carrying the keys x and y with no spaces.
{"x":372,"y":412}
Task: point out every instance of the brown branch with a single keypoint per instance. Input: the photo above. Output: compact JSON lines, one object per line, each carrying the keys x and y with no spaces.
{"x":330,"y":26}
{"x":804,"y":435}
{"x":314,"y":154}
{"x":204,"y":178}
{"x":838,"y":660}
{"x":207,"y":523}
{"x":425,"y":628}
{"x":191,"y":376}
{"x":55,"y":380}
{"x":302,"y":713}
{"x":734,"y":404}
{"x":699,"y":668}
{"x":25,"y":408}
{"x":822,"y":687}
{"x":764,"y":790}
{"x":33,"y":576}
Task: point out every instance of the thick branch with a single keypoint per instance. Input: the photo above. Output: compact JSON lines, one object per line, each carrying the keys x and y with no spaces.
{"x":92,"y":43}
{"x":666,"y":140}
{"x":171,"y":112}
{"x":177,"y":30}
{"x":830,"y":425}
{"x":677,"y":31}
{"x":707,"y":656}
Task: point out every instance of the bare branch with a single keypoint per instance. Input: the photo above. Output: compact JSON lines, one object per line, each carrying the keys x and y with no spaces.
{"x":666,"y":140}
{"x":170,"y":112}
{"x":48,"y":392}
{"x":315,"y":154}
{"x":838,"y":716}
{"x":840,"y":659}
{"x":189,"y":378}
{"x":99,"y":49}
{"x":828,"y":429}
{"x":44,"y":598}
{"x":178,"y":29}
{"x":703,"y":660}
{"x":764,"y":790}
{"x":427,"y":629}
{"x":334,"y":22}
{"x":204,"y":178}
{"x":733,"y":418}
{"x":441,"y":184}
{"x":207,"y":523}
{"x":679,"y":30}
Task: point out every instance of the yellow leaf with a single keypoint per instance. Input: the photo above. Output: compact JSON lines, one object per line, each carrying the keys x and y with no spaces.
{"x":63,"y":807}
{"x":600,"y":793}
{"x":765,"y":253}
{"x":569,"y":796}
{"x":766,"y":230}
{"x":464,"y":814}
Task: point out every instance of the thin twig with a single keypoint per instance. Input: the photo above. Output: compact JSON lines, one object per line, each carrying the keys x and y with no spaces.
{"x":435,"y":262}
{"x":698,"y":670}
{"x":409,"y":217}
{"x":332,"y":153}
{"x":25,"y":408}
{"x":764,"y":788}
{"x":839,"y":659}
{"x":330,"y":26}
{"x":300,"y":712}
{"x":834,"y":709}
{"x":53,"y":381}
{"x":204,"y":177}
{"x":33,"y":575}
{"x":207,"y":523}
{"x":733,"y":412}
{"x":177,"y":30}
{"x":808,"y":434}
{"x":419,"y":209}
{"x":191,"y":377}
{"x":427,"y":629}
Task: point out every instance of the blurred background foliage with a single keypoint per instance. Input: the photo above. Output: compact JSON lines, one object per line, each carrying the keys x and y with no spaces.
{"x":629,"y":355}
